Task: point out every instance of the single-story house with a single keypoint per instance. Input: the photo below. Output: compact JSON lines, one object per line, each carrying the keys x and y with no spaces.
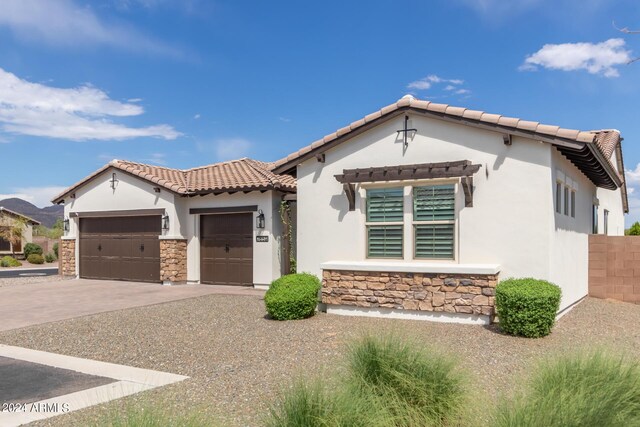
{"x":217,"y":224}
{"x":8,"y":219}
{"x":416,"y":210}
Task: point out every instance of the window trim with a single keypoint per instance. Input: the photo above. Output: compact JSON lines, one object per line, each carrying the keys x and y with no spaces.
{"x":565,"y":196}
{"x":573,"y":202}
{"x":605,"y":218}
{"x":559,"y":197}
{"x":415,"y":223}
{"x":594,"y":218}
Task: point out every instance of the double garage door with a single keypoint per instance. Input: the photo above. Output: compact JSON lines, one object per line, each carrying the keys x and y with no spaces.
{"x":120,"y":248}
{"x":128,"y":248}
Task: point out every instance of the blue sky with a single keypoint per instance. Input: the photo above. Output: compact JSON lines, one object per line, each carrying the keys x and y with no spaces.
{"x":184,"y":83}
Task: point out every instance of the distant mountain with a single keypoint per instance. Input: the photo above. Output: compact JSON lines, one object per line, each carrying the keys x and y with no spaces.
{"x":47,"y":216}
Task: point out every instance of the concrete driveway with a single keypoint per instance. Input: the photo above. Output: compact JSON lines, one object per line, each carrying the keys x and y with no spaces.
{"x":35,"y":303}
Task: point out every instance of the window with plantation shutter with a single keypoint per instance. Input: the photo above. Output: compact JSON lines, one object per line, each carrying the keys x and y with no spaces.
{"x":385,"y":214}
{"x":434,"y":221}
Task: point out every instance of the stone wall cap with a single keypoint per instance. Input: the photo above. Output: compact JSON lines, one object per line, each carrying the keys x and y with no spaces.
{"x":172,"y":238}
{"x":412,"y":267}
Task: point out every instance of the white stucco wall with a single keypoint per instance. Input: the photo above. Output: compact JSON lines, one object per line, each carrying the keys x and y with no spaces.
{"x":501,"y":227}
{"x":512,"y":223}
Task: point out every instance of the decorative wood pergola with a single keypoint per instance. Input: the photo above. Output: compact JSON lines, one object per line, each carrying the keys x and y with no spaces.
{"x":462,"y":169}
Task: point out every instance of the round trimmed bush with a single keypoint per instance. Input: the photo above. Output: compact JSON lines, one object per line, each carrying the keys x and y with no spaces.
{"x":32,"y":248}
{"x":8,"y":261}
{"x":527,"y":307}
{"x":50,"y":257}
{"x":35,"y":259}
{"x":293,"y":296}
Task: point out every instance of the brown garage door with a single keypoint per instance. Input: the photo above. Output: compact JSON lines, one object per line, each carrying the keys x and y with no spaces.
{"x":120,"y":248}
{"x":226,"y":249}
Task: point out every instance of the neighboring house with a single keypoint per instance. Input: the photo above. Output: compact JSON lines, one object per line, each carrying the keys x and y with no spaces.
{"x":8,"y":219}
{"x":418,"y":209}
{"x":217,"y":224}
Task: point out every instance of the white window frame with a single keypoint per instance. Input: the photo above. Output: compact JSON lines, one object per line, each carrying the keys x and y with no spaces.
{"x":559,"y":197}
{"x":408,"y":225}
{"x":605,"y":224}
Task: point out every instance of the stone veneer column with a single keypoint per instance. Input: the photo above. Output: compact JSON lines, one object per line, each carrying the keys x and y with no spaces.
{"x":449,"y":293}
{"x":67,"y":259}
{"x":173,"y":261}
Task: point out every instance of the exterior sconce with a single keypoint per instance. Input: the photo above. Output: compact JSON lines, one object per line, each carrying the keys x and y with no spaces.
{"x":260,"y":219}
{"x":65,"y":225}
{"x":156,"y":189}
{"x":165,"y":222}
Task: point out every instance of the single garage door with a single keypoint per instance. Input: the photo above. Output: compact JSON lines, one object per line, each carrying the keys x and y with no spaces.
{"x":120,"y":248}
{"x":226,"y":249}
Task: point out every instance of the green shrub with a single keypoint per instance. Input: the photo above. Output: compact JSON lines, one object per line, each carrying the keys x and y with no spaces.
{"x":586,"y":390}
{"x":527,"y":307}
{"x":409,"y":385}
{"x":8,"y":261}
{"x":50,"y":257}
{"x":55,"y":249}
{"x":302,"y":406}
{"x":293,"y":296}
{"x":35,"y":259}
{"x":32,"y":248}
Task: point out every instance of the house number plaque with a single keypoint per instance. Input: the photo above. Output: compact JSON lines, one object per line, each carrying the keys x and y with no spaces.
{"x":262,"y":238}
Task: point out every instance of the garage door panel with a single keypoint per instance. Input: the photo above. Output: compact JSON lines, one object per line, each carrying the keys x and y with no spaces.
{"x":226,"y":249}
{"x":120,"y":248}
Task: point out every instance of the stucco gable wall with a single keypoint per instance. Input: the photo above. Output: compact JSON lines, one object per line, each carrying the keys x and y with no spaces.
{"x":512,"y":200}
{"x":131,"y":193}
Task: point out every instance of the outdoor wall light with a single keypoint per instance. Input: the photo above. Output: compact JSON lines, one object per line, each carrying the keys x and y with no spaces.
{"x":156,"y":189}
{"x":65,"y":225}
{"x":165,"y":222}
{"x":260,"y":219}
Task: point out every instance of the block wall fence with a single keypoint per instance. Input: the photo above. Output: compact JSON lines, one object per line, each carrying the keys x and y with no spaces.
{"x":614,"y":267}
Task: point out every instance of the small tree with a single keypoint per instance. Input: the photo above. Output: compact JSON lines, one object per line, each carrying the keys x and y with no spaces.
{"x":14,"y":233}
{"x":634,"y":230}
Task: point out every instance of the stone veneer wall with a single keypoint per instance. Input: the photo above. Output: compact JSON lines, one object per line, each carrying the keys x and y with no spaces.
{"x":449,"y":293}
{"x":67,"y":252}
{"x":173,"y":260}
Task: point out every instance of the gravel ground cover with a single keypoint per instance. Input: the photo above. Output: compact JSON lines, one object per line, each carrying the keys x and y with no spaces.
{"x":238,"y":359}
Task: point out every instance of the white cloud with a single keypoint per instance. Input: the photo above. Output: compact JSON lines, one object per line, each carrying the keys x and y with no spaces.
{"x":596,"y":58}
{"x":462,"y":92}
{"x":499,"y":9}
{"x":427,"y":82}
{"x":422,"y":84}
{"x":284,"y":119}
{"x":65,"y":23}
{"x":231,"y":148}
{"x":196,"y":117}
{"x":632,"y":178}
{"x":39,"y":196}
{"x":157,"y":159}
{"x":79,"y":113}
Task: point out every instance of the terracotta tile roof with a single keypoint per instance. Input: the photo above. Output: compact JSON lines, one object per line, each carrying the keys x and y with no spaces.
{"x":605,"y":140}
{"x":232,"y":176}
{"x":237,"y":175}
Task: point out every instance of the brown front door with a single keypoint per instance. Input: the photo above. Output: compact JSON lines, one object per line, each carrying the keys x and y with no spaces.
{"x":226,"y":249}
{"x":120,"y":248}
